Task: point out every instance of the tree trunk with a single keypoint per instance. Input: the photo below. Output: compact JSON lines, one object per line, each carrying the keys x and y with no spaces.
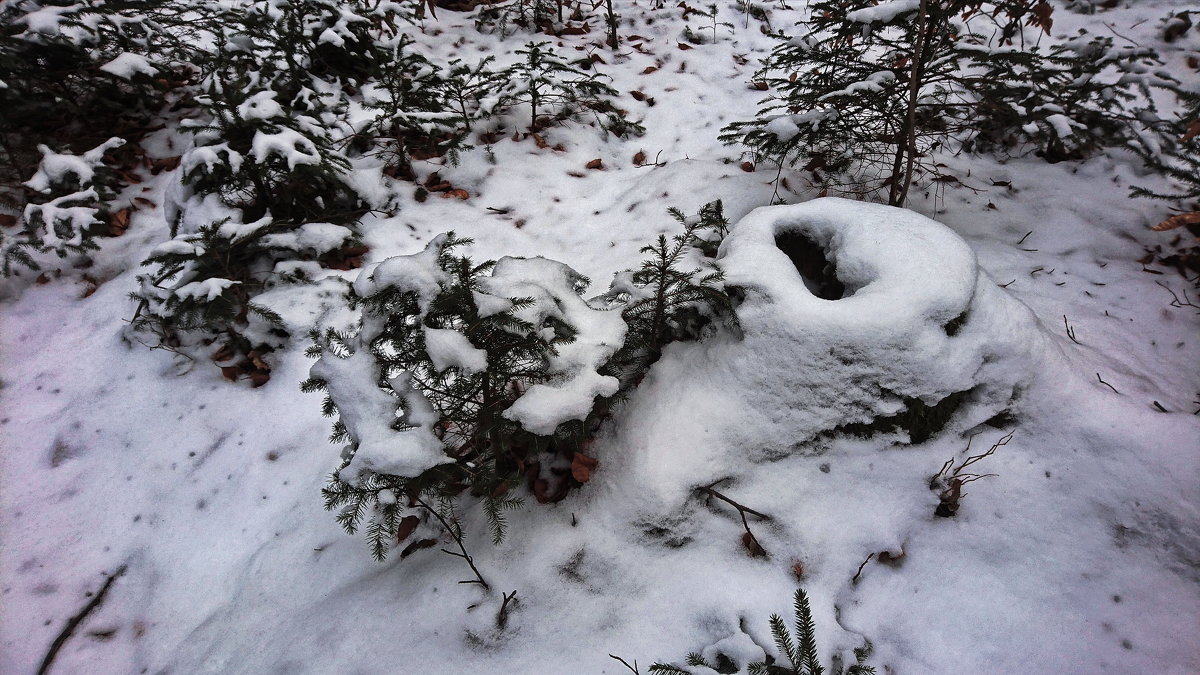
{"x":899,"y":191}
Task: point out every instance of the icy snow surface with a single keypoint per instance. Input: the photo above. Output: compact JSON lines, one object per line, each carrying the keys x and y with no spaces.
{"x":1081,"y":555}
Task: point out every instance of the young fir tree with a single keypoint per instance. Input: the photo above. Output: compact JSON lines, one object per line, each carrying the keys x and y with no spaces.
{"x":265,"y":193}
{"x":865,"y":96}
{"x":674,"y":295}
{"x":461,"y":380}
{"x":555,"y":91}
{"x":797,"y":655}
{"x":1174,"y":151}
{"x":67,"y":210}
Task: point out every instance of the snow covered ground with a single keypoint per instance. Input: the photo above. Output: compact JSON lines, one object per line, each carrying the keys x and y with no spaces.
{"x":1080,"y":555}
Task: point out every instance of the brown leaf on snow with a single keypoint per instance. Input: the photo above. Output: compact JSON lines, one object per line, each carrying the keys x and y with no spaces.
{"x":230,"y":373}
{"x":759,"y":85}
{"x":1178,"y":220}
{"x":408,"y":524}
{"x":639,"y":159}
{"x":649,"y":69}
{"x":1041,"y":16}
{"x":582,"y":467}
{"x":118,"y":222}
{"x":683,"y":46}
{"x":258,"y":379}
{"x":752,"y":546}
{"x":595,"y":164}
{"x":164,"y":164}
{"x":417,"y":546}
{"x":458,"y":193}
{"x":638,"y":95}
{"x":747,"y":166}
{"x":539,"y":141}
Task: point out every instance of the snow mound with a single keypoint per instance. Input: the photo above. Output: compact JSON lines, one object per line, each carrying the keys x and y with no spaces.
{"x":867,"y":313}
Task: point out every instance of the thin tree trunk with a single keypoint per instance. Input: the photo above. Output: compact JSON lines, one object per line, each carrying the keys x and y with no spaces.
{"x":612,"y":25}
{"x":914,"y":87}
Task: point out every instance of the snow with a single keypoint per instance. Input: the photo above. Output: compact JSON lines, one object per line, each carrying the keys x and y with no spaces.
{"x":291,"y":145}
{"x":554,"y":288}
{"x":451,"y":349}
{"x":208,"y":289}
{"x":884,"y":12}
{"x":62,"y":168}
{"x":1079,"y":555}
{"x":369,"y":413}
{"x":128,"y":65}
{"x":260,"y":106}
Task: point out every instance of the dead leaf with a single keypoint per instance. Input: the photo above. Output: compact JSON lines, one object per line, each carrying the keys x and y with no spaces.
{"x":408,"y":524}
{"x":1178,"y":220}
{"x":798,"y":570}
{"x":649,"y":69}
{"x":259,"y":379}
{"x":752,"y":546}
{"x":539,"y":141}
{"x":759,"y":85}
{"x":582,"y":467}
{"x":118,"y":222}
{"x":230,"y":373}
{"x":142,"y":201}
{"x":1193,"y":130}
{"x":1041,"y":16}
{"x":457,"y":193}
{"x":638,"y":95}
{"x":747,"y":166}
{"x":595,"y":164}
{"x":683,"y":46}
{"x":417,"y":546}
{"x":639,"y":159}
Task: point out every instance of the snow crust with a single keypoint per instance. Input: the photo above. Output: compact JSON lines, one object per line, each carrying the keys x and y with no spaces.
{"x":451,"y":349}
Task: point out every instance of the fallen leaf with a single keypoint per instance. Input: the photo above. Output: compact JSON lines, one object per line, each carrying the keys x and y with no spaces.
{"x":747,"y":166}
{"x":417,"y":546}
{"x":458,"y":193}
{"x":1193,"y":130}
{"x":230,"y":373}
{"x":258,"y":379}
{"x":1178,"y":220}
{"x":407,"y":525}
{"x":752,"y":546}
{"x":798,"y":570}
{"x":649,"y":69}
{"x":638,"y":95}
{"x":683,"y":46}
{"x":142,"y":201}
{"x":595,"y":164}
{"x":582,"y":467}
{"x":539,"y":141}
{"x":759,"y":85}
{"x":639,"y":159}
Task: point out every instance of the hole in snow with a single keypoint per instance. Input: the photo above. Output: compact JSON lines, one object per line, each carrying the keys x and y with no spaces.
{"x":818,"y":273}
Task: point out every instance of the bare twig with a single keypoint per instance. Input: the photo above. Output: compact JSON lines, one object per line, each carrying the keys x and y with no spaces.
{"x":1070,"y":331}
{"x":633,"y":669}
{"x":502,"y":616}
{"x":1175,"y":301}
{"x":1022,"y":241}
{"x":1106,"y":384}
{"x":74,"y":622}
{"x":456,"y":533}
{"x":749,"y":540}
{"x":949,"y":481}
{"x":854,"y":579}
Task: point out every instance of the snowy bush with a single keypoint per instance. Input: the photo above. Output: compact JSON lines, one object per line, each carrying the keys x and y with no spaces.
{"x":461,"y":379}
{"x":68,"y":209}
{"x":864,"y":96}
{"x":797,"y":652}
{"x":675,"y":294}
{"x":556,"y":91}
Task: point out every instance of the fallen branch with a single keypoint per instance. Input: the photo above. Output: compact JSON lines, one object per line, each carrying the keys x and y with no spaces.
{"x":74,"y":622}
{"x":1070,"y":331}
{"x":748,"y":540}
{"x":1107,"y":384}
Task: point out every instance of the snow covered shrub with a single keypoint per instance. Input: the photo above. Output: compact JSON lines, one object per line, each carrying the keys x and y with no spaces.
{"x":461,"y":380}
{"x":1175,"y":152}
{"x":556,"y":91}
{"x":675,"y":294}
{"x":76,"y":73}
{"x":797,"y":654}
{"x":869,"y":91}
{"x":68,"y":209}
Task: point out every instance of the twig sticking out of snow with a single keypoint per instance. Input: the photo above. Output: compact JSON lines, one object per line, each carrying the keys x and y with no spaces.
{"x":749,"y":540}
{"x":76,"y":620}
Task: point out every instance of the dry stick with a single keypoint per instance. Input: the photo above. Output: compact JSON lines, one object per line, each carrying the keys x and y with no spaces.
{"x":1175,"y":301}
{"x":74,"y":621}
{"x":1106,"y":384}
{"x":458,"y":540}
{"x":854,"y":579}
{"x":1070,"y":331}
{"x":502,"y":617}
{"x":742,"y":510}
{"x":633,"y":669}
